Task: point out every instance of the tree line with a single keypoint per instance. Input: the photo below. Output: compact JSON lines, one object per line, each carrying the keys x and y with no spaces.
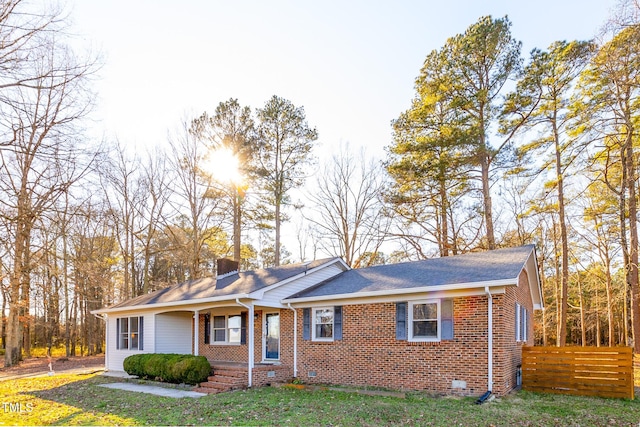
{"x":494,"y":151}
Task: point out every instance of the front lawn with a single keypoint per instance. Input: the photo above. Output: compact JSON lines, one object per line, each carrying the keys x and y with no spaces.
{"x":77,"y":400}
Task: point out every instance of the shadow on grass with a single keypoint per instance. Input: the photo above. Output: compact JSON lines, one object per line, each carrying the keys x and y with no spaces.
{"x":81,"y":401}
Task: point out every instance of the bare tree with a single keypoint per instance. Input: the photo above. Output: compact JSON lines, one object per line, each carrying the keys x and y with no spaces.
{"x":196,"y":202}
{"x":347,"y":199}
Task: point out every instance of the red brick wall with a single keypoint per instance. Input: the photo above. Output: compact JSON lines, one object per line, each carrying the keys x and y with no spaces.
{"x":231,"y":352}
{"x":370,"y":355}
{"x":239,"y":353}
{"x":508,"y":352}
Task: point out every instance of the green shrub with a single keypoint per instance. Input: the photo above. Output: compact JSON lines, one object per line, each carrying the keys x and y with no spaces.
{"x":174,"y":368}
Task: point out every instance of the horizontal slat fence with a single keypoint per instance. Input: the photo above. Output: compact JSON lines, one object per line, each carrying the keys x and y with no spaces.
{"x":583,"y":371}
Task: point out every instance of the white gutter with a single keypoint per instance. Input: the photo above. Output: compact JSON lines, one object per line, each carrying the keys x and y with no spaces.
{"x":490,"y":339}
{"x":295,"y":341}
{"x":106,"y":339}
{"x":422,"y":289}
{"x":250,"y":333}
{"x":170,"y":304}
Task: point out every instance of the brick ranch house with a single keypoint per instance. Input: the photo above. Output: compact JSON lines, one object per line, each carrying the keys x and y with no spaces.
{"x":451,"y":325}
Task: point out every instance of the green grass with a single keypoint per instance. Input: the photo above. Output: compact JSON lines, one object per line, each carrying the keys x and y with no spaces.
{"x":77,"y":400}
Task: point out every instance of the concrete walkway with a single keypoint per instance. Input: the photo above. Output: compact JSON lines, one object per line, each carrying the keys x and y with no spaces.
{"x":152,"y":389}
{"x":78,"y":371}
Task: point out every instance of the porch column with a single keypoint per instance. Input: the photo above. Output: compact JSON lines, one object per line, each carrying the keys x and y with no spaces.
{"x":251,"y":346}
{"x":196,"y":332}
{"x":251,"y":338}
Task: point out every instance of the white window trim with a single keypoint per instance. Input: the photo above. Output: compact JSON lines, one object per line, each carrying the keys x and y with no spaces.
{"x":518,"y":320}
{"x":410,"y":319}
{"x":524,"y":325}
{"x":313,"y":324}
{"x":212,"y":335}
{"x":264,"y":337}
{"x":129,"y":338}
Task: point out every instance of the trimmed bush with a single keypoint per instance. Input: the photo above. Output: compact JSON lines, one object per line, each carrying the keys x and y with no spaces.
{"x":173,"y":368}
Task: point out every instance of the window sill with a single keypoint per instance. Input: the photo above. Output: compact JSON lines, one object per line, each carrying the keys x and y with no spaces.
{"x":425,"y":340}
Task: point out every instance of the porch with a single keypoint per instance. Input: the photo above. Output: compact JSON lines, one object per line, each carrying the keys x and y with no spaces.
{"x":229,"y":376}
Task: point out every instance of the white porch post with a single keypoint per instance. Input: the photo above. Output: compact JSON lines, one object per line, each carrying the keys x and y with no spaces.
{"x":251,"y":338}
{"x":251,"y":342}
{"x":196,"y":332}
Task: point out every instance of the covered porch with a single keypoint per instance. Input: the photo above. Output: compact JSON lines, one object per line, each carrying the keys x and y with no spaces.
{"x":242,"y":342}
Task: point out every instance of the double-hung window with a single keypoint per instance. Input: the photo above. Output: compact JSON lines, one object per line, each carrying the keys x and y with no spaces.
{"x":424,"y":320}
{"x":227,"y":329}
{"x":130,"y":333}
{"x":323,"y":319}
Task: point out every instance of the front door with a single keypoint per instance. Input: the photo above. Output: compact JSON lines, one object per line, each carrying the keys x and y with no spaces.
{"x":272,"y":340}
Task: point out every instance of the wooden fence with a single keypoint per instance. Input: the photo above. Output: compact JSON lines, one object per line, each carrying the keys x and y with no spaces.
{"x":584,"y":371}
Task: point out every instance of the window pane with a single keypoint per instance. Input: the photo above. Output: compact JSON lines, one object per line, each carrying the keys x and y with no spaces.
{"x":428,"y":329}
{"x":134,"y":324}
{"x":234,"y":322}
{"x":125,"y":342}
{"x":425,"y":311}
{"x":219,"y":322}
{"x":234,"y":335}
{"x":134,"y":341}
{"x":124,"y":325}
{"x":324,"y":316}
{"x":324,"y":331}
{"x":219,"y":335}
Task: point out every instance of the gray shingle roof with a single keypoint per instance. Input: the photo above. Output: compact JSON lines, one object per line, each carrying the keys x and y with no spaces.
{"x":208,"y":287}
{"x":500,"y":264}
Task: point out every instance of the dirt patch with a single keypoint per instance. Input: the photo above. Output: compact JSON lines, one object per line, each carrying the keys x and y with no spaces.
{"x":37,"y":365}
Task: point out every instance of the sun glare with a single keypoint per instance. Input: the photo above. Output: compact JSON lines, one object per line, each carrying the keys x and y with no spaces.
{"x":224,"y":166}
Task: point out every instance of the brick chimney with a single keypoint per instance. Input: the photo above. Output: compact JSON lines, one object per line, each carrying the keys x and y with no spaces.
{"x":226,"y":267}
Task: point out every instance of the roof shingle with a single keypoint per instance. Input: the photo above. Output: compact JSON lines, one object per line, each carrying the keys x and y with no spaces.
{"x":475,"y":267}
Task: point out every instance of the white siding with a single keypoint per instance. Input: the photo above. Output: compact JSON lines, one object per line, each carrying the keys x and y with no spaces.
{"x":173,"y":332}
{"x":276,"y":295}
{"x":115,"y":357}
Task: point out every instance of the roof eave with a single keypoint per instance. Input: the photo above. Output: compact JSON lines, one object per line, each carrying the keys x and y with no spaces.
{"x":231,"y":297}
{"x":403,"y":291}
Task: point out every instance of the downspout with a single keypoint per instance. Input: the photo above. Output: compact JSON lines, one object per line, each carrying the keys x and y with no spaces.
{"x":295,"y":341}
{"x":250,"y":333}
{"x":490,"y":346}
{"x":106,"y":339}
{"x":196,"y":332}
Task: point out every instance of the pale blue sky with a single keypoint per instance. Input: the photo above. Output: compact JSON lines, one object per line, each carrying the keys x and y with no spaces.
{"x":351,"y":64}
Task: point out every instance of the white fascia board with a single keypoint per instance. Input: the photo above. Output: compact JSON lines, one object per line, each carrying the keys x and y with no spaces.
{"x":259,"y":294}
{"x":181,"y":304}
{"x":404,"y":297}
{"x":536,"y":294}
{"x":395,"y":292}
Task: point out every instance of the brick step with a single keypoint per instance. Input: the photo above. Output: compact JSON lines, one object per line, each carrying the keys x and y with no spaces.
{"x":227,"y":380}
{"x":219,"y":387}
{"x":239,"y":373}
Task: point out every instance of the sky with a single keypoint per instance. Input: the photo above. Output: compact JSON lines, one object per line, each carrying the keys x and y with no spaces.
{"x":350,"y":64}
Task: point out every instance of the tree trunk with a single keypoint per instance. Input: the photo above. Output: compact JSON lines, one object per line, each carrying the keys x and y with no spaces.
{"x":486,"y":198}
{"x":583,"y":327}
{"x":563,"y":239}
{"x":277,"y":243}
{"x":444,"y":236}
{"x":633,"y":244}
